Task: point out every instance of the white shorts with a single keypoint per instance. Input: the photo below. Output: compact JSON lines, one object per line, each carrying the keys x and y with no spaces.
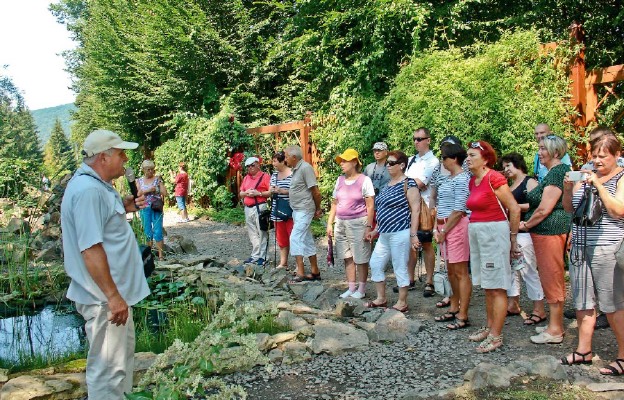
{"x":301,"y":239}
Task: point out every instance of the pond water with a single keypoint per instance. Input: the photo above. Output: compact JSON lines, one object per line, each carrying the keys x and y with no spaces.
{"x":51,"y":331}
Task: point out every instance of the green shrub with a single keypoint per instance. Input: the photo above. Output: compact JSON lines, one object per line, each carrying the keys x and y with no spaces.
{"x":222,"y":198}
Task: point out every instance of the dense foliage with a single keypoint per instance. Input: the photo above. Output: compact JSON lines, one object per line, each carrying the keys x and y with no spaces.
{"x":205,"y":146}
{"x":20,"y":154}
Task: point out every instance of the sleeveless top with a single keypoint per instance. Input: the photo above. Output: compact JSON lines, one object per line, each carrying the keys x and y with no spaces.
{"x":393,"y":212}
{"x":149,"y":198}
{"x":608,"y":231}
{"x":520,"y":194}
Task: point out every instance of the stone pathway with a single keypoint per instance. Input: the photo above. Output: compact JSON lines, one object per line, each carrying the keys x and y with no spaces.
{"x":431,"y":360}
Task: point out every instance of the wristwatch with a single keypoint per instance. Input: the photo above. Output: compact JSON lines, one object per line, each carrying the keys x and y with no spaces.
{"x":413,"y":234}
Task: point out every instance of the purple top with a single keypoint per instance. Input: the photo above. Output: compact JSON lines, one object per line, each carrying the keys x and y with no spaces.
{"x":350,"y":203}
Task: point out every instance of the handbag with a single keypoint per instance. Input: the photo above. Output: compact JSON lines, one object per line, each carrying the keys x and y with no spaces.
{"x":264,"y":216}
{"x":589,"y":210}
{"x":426,"y":218}
{"x":441,"y":283}
{"x":281,"y":209}
{"x":157,"y":205}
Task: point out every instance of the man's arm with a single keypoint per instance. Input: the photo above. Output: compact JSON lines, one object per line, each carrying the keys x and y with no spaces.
{"x":316,"y":196}
{"x":97,"y":265}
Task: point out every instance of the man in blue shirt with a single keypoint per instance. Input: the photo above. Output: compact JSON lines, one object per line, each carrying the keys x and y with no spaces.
{"x":541,"y":131}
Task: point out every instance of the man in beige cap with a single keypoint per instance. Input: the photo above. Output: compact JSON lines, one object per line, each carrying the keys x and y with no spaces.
{"x":103,"y":261}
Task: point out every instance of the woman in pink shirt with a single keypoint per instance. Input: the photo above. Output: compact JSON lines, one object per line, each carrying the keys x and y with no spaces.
{"x":181,"y":181}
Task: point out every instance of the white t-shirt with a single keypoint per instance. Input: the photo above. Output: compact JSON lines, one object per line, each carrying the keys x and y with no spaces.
{"x":92,"y":212}
{"x":422,"y":168}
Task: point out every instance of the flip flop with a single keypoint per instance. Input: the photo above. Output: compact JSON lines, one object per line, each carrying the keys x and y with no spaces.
{"x":458,"y":324}
{"x":534,"y":319}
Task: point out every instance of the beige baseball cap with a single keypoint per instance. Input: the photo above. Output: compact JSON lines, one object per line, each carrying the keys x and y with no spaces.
{"x":101,"y":140}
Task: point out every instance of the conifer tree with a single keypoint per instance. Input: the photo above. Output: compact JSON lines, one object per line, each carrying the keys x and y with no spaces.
{"x":58,"y":155}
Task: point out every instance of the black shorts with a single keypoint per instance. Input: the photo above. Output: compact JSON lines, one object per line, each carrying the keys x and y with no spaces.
{"x":425,"y":236}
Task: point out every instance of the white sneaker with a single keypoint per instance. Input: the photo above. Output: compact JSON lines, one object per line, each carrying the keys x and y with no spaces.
{"x":540,"y":329}
{"x":346,"y":294}
{"x":358,"y":295}
{"x":546,"y":338}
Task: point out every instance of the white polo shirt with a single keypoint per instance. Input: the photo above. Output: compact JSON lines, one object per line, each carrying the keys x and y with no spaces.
{"x":422,"y":168}
{"x":92,"y":212}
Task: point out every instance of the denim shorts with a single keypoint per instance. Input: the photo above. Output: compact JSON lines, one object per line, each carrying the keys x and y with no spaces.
{"x":181,"y":200}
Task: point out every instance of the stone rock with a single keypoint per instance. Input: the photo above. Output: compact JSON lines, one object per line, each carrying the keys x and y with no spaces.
{"x":544,"y":366}
{"x":313,"y":292}
{"x":302,"y":309}
{"x":487,"y":374}
{"x":62,"y":386}
{"x":327,"y":300}
{"x":55,"y":217}
{"x":17,"y":226}
{"x":283,"y":337}
{"x":606,"y":387}
{"x":393,"y":326}
{"x":49,"y":254}
{"x":4,"y":375}
{"x":52,"y":232}
{"x":264,"y":342}
{"x":295,"y":352}
{"x":373,"y":315}
{"x":275,"y":278}
{"x":143,"y":360}
{"x":188,"y":246}
{"x":344,"y":308}
{"x":275,"y":355}
{"x":337,"y":338}
{"x":367,"y":326}
{"x":291,"y":320}
{"x":298,"y":288}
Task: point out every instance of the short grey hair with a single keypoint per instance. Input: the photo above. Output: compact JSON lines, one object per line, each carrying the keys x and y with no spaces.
{"x":294,"y":151}
{"x":555,"y":145}
{"x":91,"y":160}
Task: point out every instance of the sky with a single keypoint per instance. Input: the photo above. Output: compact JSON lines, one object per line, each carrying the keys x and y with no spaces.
{"x":30,"y":44}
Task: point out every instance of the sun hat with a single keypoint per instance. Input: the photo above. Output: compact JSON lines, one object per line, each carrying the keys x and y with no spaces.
{"x":348,"y":155}
{"x":251,"y":160}
{"x":380,"y":146}
{"x":101,"y":140}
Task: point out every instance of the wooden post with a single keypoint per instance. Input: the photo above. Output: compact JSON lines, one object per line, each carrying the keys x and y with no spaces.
{"x":577,"y":76}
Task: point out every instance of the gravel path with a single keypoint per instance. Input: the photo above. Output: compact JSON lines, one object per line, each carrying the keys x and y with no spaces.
{"x":432,"y":360}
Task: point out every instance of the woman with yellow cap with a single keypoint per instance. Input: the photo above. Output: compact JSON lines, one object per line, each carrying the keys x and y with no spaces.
{"x":352,"y":211}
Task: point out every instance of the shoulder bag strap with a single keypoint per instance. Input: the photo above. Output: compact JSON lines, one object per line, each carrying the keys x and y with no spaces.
{"x":499,"y":203}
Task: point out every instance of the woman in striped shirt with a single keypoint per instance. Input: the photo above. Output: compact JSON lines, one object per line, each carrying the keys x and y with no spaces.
{"x":398,"y":209}
{"x":595,"y":274}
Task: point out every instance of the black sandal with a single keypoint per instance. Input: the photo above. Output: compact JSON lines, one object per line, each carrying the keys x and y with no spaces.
{"x":564,"y":360}
{"x":458,"y":324}
{"x":429,"y":290}
{"x":449,"y":316}
{"x":613,"y":370}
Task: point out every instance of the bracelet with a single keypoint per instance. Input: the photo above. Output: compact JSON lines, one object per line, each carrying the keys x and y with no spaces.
{"x":369,"y":226}
{"x":413,"y":235}
{"x":442,"y":230}
{"x":513,"y":233}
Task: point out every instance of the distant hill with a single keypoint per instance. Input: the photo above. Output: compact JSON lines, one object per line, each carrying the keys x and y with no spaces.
{"x":45,"y":118}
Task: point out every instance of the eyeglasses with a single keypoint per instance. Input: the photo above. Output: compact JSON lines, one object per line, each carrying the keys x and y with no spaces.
{"x":252,"y":165}
{"x":392,"y":163}
{"x":550,"y":137}
{"x":476,"y":145}
{"x":420,"y":139}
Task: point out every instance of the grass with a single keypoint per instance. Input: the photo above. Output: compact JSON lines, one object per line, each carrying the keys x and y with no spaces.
{"x":532,"y":388}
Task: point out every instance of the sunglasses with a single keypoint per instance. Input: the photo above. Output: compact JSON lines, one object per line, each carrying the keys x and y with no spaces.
{"x":550,"y":137}
{"x":420,"y":139}
{"x":476,"y":145}
{"x":392,"y":163}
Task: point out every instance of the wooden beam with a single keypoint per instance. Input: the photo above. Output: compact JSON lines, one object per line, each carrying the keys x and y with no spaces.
{"x":601,"y":76}
{"x":288,"y":126}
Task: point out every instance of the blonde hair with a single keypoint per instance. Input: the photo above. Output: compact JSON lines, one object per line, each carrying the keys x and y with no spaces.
{"x":148,"y":164}
{"x":555,"y":145}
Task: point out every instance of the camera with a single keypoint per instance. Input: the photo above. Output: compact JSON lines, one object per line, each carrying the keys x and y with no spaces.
{"x":577,"y":176}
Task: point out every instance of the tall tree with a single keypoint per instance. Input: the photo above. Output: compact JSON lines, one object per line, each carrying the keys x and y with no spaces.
{"x":20,"y":155}
{"x":58,"y":156}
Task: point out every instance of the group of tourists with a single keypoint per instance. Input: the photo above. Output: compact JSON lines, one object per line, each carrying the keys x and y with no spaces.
{"x":491,"y":229}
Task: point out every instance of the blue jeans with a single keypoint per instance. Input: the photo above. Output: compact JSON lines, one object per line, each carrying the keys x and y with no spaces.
{"x":152,"y":224}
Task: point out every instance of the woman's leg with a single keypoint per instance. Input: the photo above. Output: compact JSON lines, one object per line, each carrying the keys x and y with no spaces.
{"x":586,"y":321}
{"x":555,"y":321}
{"x":498,"y":299}
{"x":350,"y":272}
{"x":464,"y":287}
{"x":378,"y":261}
{"x":454,"y":281}
{"x":362,"y":277}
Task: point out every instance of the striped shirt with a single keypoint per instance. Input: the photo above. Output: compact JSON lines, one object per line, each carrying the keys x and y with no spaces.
{"x":608,"y":231}
{"x":281,"y":184}
{"x":452,"y":194}
{"x":393,"y":212}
